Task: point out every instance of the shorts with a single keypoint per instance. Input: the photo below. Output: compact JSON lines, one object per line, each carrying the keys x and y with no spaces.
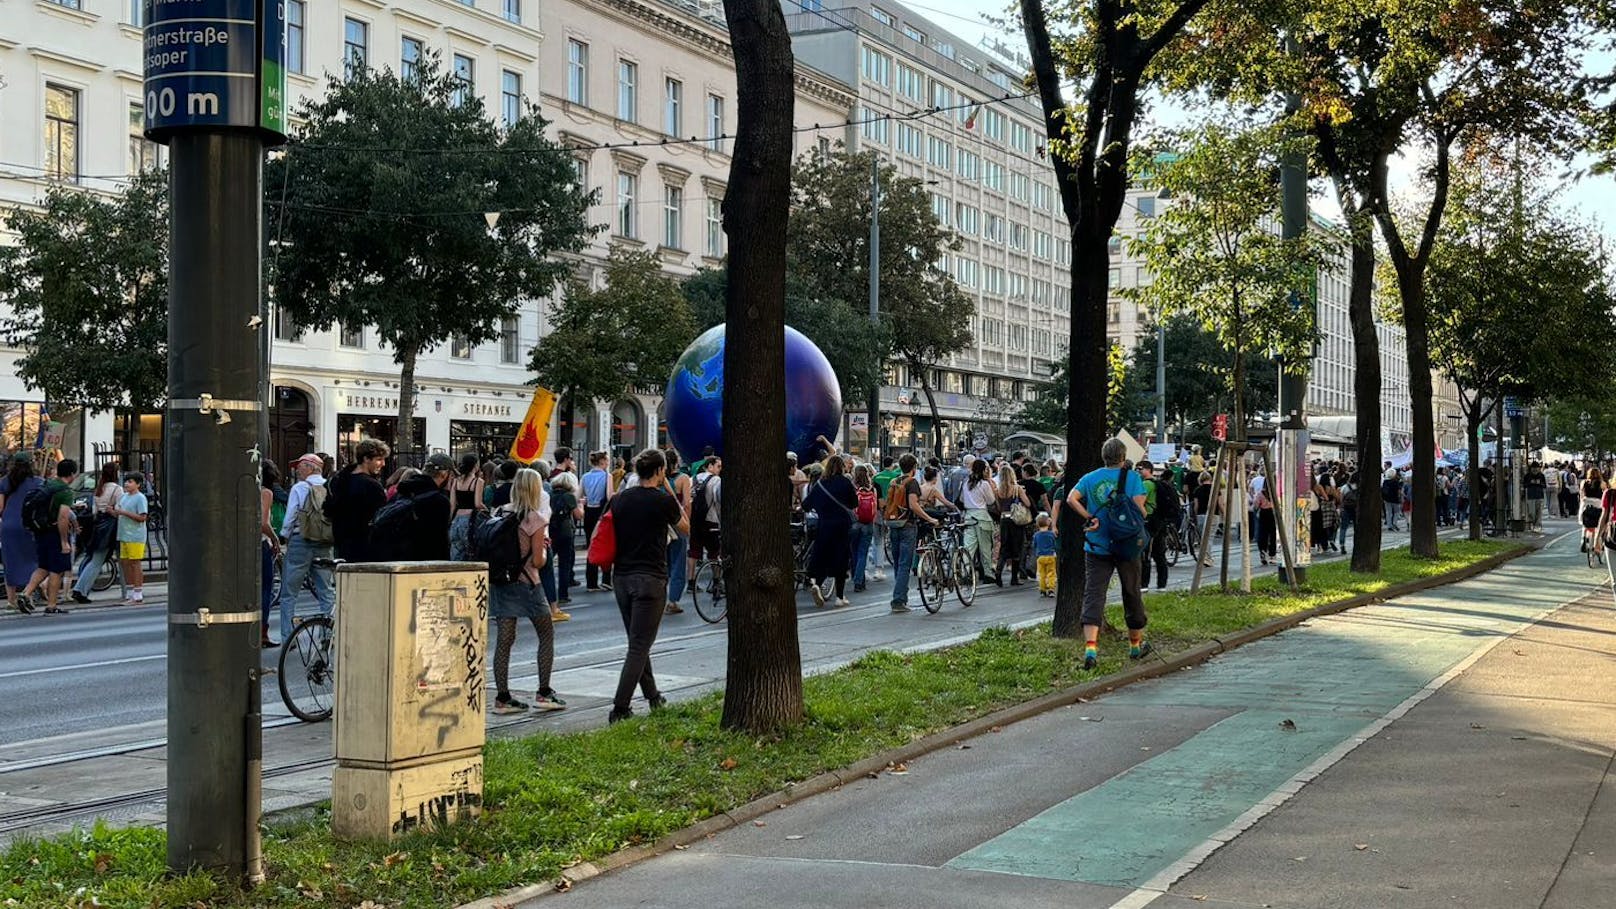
{"x":704,"y":543}
{"x":48,"y":547}
{"x":132,"y":552}
{"x":516,"y":601}
{"x":1590,"y":517}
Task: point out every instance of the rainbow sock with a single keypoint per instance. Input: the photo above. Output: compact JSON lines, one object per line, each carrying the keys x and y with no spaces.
{"x":1091,"y":650}
{"x":1136,"y":643}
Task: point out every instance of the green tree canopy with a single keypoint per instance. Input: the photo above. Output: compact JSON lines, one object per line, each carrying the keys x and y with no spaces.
{"x":85,"y":289}
{"x":624,"y":337}
{"x":385,"y":198}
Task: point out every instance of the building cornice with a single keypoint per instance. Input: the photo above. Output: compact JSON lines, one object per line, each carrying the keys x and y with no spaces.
{"x":46,"y":53}
{"x":416,"y":18}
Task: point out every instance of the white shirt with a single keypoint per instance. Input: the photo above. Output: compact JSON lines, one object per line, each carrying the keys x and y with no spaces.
{"x":977,"y":495}
{"x":295,"y":500}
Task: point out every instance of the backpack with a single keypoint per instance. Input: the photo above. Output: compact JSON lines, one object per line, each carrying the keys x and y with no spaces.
{"x":1123,"y":523}
{"x":37,"y":514}
{"x":1168,"y":510}
{"x":1391,"y":491}
{"x":498,"y":541}
{"x":1349,"y":496}
{"x":392,"y":530}
{"x":865,"y":512}
{"x":698,"y":502}
{"x":312,"y":522}
{"x":897,"y":503}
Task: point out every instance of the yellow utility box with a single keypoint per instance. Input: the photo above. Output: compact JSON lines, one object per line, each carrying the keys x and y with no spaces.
{"x":410,"y":696}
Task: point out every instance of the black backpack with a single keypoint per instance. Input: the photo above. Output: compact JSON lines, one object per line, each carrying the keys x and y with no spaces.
{"x":392,"y":530}
{"x":498,"y":541}
{"x":1168,"y":510}
{"x":698,"y":502}
{"x":37,"y":514}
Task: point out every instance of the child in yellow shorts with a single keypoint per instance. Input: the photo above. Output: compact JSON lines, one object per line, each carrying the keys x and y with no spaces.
{"x":131,"y":514}
{"x":1045,"y":545}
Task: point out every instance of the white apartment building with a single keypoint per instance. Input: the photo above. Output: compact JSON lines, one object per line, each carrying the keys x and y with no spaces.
{"x":605,"y":72}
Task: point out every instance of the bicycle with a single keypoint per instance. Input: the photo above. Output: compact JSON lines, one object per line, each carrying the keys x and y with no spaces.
{"x":1189,"y":535}
{"x":307,"y":668}
{"x":1172,"y":544}
{"x":707,"y":592}
{"x":943,"y":565}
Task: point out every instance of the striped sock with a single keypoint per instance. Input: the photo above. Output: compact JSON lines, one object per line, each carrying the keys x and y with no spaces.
{"x":1091,"y":649}
{"x":1136,"y":643}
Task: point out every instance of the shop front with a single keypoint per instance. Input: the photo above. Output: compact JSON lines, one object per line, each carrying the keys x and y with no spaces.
{"x":354,"y":428}
{"x":487,"y":439}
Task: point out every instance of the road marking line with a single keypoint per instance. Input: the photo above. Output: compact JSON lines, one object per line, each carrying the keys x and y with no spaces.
{"x":97,"y":665}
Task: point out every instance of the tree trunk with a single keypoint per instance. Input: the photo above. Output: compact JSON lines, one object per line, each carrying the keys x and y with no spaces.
{"x":1086,"y":428}
{"x":931,"y":404}
{"x":404,"y":439}
{"x":1366,"y":534}
{"x":763,"y":685}
{"x":1499,"y":525}
{"x":1416,"y":324}
{"x":1473,"y":418}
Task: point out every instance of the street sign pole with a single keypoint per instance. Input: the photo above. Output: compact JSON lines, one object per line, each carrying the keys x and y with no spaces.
{"x":214,"y":93}
{"x":874,"y":407}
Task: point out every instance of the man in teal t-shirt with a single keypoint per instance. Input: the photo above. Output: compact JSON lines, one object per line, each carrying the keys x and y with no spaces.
{"x":1088,"y":498}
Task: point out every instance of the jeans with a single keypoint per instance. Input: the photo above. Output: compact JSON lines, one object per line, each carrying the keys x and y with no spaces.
{"x":903,"y":559}
{"x":878,"y":543}
{"x":1391,"y":509}
{"x":91,"y":567}
{"x":678,"y":568}
{"x":297,"y":569}
{"x":640,"y":599}
{"x":459,"y":538}
{"x":858,"y":541}
{"x":1096,"y":581}
{"x":547,"y":580}
{"x":1349,"y":517}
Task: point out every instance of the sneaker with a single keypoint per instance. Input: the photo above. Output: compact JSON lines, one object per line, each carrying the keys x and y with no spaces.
{"x":843,"y":601}
{"x":880,"y":575}
{"x":617,"y":716}
{"x":1090,"y":660}
{"x":673,"y":608}
{"x":80,"y":598}
{"x":899,"y":608}
{"x":818,"y":593}
{"x":137,"y":598}
{"x":658,"y":702}
{"x":1143,"y":650}
{"x":508,"y":705}
{"x":548,"y":703}
{"x":25,"y":604}
{"x":557,"y":615}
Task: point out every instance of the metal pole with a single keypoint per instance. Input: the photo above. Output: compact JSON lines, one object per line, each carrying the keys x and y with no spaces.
{"x":1292,"y":386}
{"x":212,"y":460}
{"x":875,"y":295}
{"x":1161,"y":382}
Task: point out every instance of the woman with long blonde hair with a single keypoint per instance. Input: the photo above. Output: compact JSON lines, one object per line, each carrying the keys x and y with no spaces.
{"x":523,"y":597}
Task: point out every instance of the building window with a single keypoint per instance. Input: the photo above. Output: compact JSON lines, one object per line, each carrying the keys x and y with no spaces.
{"x":355,"y":40}
{"x":715,"y":228}
{"x":137,"y":12}
{"x":577,"y":72}
{"x":1146,"y":206}
{"x":510,"y":97}
{"x":914,"y":34}
{"x":352,"y":336}
{"x":513,"y":10}
{"x":144,"y":154}
{"x":460,"y":347}
{"x":942,"y":97}
{"x":508,"y":340}
{"x":70,"y":4}
{"x":61,"y":133}
{"x":672,"y":216}
{"x":877,"y":66}
{"x":1113,"y":278}
{"x":715,"y":123}
{"x":910,"y":83}
{"x":628,"y":191}
{"x":294,"y":35}
{"x":908,"y":140}
{"x":628,"y":80}
{"x":285,"y":328}
{"x":465,"y":76}
{"x":673,"y":100}
{"x":409,"y":57}
{"x":873,"y":125}
{"x":882,"y":16}
{"x":580,"y":173}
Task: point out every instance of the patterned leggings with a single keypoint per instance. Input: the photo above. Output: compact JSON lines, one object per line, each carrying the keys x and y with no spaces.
{"x":507,"y":640}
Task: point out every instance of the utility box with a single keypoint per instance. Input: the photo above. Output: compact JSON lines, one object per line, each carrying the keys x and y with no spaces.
{"x":410,"y":696}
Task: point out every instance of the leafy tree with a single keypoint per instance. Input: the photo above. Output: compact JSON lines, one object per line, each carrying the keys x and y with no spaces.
{"x":386,"y":198}
{"x":1199,"y":381}
{"x":856,"y":349}
{"x":1109,"y":50}
{"x":926,"y":314}
{"x":763,"y":678}
{"x":1516,"y":292}
{"x":1047,"y":411}
{"x":1583,"y":422}
{"x":86,"y":292}
{"x":624,"y":337}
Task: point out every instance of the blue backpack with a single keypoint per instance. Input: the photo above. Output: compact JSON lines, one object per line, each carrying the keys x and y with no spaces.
{"x":1123,"y":523}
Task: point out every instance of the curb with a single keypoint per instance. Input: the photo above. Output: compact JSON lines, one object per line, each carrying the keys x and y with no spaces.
{"x":873,"y":765}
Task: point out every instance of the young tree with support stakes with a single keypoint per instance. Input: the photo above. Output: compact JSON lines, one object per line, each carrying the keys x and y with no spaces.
{"x":1517,"y":292}
{"x":1110,"y":49}
{"x":924,"y":313}
{"x":404,"y":207}
{"x":763,"y":678}
{"x":604,"y":344}
{"x":85,"y":288}
{"x":1199,"y":381}
{"x":1216,"y":257}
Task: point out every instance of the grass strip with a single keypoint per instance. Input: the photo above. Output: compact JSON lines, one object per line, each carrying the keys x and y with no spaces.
{"x":553,"y":800}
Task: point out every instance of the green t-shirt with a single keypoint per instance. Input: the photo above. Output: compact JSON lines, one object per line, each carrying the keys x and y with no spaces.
{"x":884,"y":479}
{"x":61,"y":495}
{"x":1049,"y":482}
{"x":1150,"y":497}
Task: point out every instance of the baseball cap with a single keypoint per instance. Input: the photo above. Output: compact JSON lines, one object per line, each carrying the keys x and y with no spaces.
{"x":438,"y":462}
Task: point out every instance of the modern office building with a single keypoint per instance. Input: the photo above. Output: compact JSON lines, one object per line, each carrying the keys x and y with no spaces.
{"x":604,"y":72}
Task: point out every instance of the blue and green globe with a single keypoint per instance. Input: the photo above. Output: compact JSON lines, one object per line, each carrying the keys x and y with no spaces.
{"x":695,"y":400}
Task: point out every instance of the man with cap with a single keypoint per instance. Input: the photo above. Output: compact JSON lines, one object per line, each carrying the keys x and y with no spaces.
{"x":430,"y":533}
{"x":298,"y":567}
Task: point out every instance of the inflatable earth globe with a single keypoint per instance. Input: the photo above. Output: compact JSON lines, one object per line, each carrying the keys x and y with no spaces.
{"x":695,"y":399}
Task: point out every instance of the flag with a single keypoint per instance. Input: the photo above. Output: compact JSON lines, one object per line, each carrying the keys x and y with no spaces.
{"x":970,"y":121}
{"x":535,"y":429}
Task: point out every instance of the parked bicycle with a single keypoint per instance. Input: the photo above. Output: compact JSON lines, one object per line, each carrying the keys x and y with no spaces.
{"x":307,"y":669}
{"x":943,"y":565}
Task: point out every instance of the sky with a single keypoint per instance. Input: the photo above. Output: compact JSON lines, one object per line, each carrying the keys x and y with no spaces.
{"x":1591,"y":199}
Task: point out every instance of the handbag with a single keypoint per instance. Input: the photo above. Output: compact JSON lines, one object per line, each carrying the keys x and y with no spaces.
{"x":1020,"y":515}
{"x":603,"y":545}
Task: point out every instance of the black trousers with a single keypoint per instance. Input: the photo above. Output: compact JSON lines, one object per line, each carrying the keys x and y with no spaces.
{"x":594,"y":574}
{"x":641,"y":599}
{"x":1156,"y":553}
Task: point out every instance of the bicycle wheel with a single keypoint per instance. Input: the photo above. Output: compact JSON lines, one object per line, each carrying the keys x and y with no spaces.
{"x":708,"y":593}
{"x":106,"y":577}
{"x":1171,"y":544}
{"x":964,"y":579}
{"x":308,"y":670}
{"x":929,"y":577}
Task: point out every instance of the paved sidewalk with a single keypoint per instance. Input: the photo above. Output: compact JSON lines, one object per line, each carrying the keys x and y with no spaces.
{"x":1450,"y":748}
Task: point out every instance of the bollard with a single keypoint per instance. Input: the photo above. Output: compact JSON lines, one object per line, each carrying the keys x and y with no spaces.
{"x":410,"y":701}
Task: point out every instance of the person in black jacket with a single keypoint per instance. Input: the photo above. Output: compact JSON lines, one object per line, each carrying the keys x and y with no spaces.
{"x":354,"y":497}
{"x":430,"y":540}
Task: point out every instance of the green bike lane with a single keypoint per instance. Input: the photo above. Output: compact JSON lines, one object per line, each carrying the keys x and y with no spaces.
{"x":1109,"y":803}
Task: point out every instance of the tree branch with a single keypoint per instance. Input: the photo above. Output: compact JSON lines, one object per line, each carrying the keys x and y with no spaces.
{"x":1169,"y":29}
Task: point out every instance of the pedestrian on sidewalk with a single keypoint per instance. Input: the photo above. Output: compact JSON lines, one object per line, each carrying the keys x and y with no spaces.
{"x":1349,"y":509}
{"x":835,"y":500}
{"x":17,"y":548}
{"x":355,"y":495}
{"x":1536,"y":487}
{"x":1109,"y":487}
{"x":1267,"y":526}
{"x":862,"y":533}
{"x":522,"y":597}
{"x":678,"y":485}
{"x":99,"y":539}
{"x":642,"y":515}
{"x":132,"y":512}
{"x":466,"y":493}
{"x":1012,"y":536}
{"x":978,"y":499}
{"x":598,"y":490}
{"x":1605,"y":534}
{"x":1391,"y":496}
{"x":304,"y":511}
{"x":53,"y":544}
{"x":904,"y":514}
{"x":1045,"y":546}
{"x":566,"y":510}
{"x":1161,"y":506}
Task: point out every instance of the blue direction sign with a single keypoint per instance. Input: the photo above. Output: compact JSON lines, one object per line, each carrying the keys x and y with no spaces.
{"x":201,"y":62}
